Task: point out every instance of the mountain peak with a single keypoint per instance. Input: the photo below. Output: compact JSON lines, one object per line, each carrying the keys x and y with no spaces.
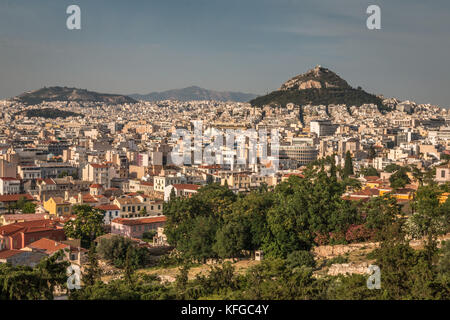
{"x":318,"y":86}
{"x":316,"y":78}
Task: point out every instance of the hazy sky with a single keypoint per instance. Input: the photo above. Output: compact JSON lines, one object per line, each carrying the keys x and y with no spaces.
{"x":240,"y":45}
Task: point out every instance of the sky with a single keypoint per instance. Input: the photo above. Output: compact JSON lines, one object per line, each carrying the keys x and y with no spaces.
{"x":250,"y":46}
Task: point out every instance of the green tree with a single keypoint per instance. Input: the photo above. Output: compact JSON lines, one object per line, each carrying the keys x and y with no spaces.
{"x":29,"y":207}
{"x":383,"y":215}
{"x":348,"y":166}
{"x":87,"y":225}
{"x":430,"y":218}
{"x":92,"y":271}
{"x":300,"y":258}
{"x":129,"y":266}
{"x":418,"y":175}
{"x":230,"y":240}
{"x":38,"y":283}
{"x":116,"y":248}
{"x":370,"y":172}
{"x":399,"y":179}
{"x":23,"y":205}
{"x":390,"y":168}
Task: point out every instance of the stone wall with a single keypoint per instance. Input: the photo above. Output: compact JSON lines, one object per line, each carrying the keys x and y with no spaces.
{"x":329,"y":252}
{"x":349,"y":268}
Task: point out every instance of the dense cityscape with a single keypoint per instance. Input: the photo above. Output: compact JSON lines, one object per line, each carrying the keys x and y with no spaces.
{"x":139,"y":200}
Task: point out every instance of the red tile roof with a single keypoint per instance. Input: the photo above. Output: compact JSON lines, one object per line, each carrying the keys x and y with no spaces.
{"x":29,"y":227}
{"x":97,"y":165}
{"x":293,"y":174}
{"x":107,"y":207}
{"x":48,"y":246}
{"x":139,"y":221}
{"x":15,"y":197}
{"x":5,"y":254}
{"x":185,"y":186}
{"x":49,"y":181}
{"x":367,"y":192}
{"x":371,"y":178}
{"x":24,"y":217}
{"x":353,"y":198}
{"x":9,"y":179}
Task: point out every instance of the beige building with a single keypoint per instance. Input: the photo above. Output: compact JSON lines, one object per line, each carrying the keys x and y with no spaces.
{"x":99,"y":174}
{"x":7,"y":169}
{"x":131,"y":207}
{"x":443,"y":174}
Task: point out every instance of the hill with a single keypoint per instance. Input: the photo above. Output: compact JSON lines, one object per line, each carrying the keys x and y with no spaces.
{"x":70,"y":94}
{"x":195,"y":93}
{"x":318,"y":86}
{"x":48,"y":113}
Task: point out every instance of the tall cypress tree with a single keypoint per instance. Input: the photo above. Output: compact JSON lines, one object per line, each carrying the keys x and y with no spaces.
{"x":129,"y":268}
{"x":348,"y":167}
{"x":93,"y":271}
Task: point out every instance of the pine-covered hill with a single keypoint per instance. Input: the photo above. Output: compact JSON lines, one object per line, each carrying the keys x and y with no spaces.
{"x":318,"y":86}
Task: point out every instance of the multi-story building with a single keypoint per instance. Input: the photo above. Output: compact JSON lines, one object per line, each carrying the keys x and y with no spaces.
{"x":138,"y":206}
{"x":161,"y":182}
{"x":134,"y":228}
{"x":303,"y":154}
{"x":322,"y":127}
{"x":99,"y":174}
{"x":58,"y":206}
{"x":9,"y":185}
{"x":19,"y":235}
{"x":443,"y":173}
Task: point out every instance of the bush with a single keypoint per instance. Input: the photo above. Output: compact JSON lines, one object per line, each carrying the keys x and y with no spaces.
{"x":359,"y":233}
{"x":300,"y":258}
{"x":115,"y":250}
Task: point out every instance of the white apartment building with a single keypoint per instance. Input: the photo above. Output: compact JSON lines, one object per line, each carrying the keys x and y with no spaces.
{"x":9,"y":185}
{"x":160,"y":183}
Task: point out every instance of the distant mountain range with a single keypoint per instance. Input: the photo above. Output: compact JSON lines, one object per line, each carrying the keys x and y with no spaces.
{"x":195,"y":93}
{"x":318,"y":86}
{"x":70,"y":94}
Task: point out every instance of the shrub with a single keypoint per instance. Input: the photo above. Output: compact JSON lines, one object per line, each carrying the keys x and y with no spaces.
{"x":300,"y":258}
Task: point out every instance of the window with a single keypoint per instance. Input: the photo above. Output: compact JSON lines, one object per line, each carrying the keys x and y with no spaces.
{"x":443,"y":174}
